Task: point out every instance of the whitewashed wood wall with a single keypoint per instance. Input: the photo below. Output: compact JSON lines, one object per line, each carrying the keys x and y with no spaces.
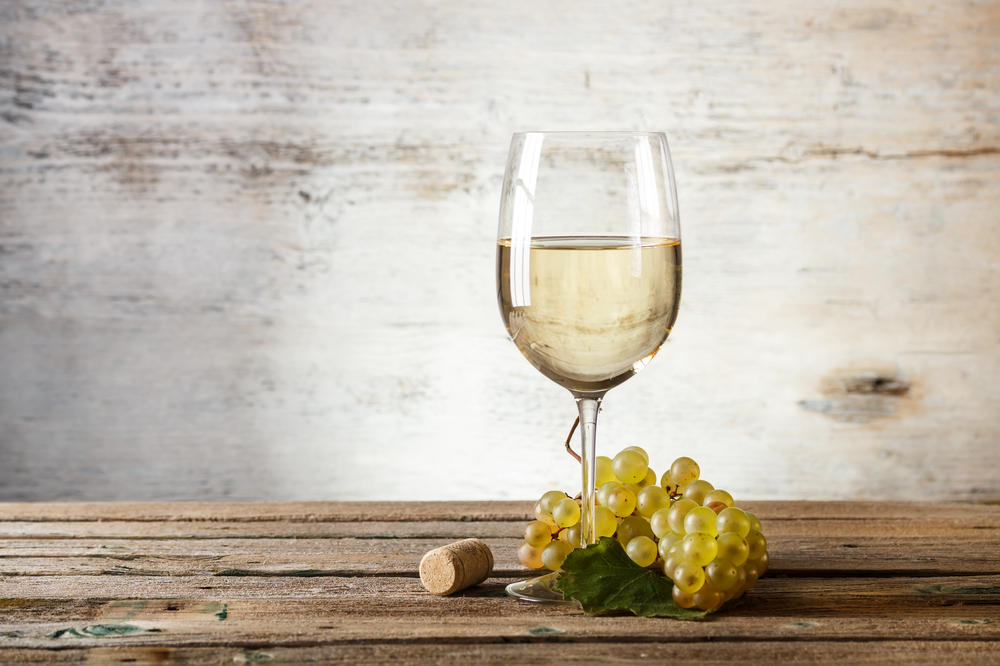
{"x":247,"y":246}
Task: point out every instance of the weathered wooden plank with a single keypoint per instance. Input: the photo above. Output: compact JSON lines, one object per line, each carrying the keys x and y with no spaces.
{"x":806,"y":611}
{"x":971,"y":528}
{"x":533,"y":649}
{"x":403,"y":592}
{"x":410,"y":512}
{"x":295,"y":512}
{"x":828,"y":556}
{"x":288,"y":512}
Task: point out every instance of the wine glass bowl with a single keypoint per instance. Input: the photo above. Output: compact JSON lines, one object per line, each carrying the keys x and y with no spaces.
{"x":588,"y":266}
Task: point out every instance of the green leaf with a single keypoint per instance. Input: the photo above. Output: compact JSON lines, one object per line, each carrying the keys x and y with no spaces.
{"x":604,"y":579}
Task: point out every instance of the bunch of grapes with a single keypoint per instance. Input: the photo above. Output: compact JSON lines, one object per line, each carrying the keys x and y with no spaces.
{"x":711,"y":550}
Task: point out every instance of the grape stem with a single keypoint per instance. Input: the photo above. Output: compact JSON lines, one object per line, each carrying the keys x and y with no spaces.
{"x":569,"y":439}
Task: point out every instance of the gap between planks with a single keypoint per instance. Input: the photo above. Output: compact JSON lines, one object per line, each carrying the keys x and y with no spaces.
{"x":309,"y":512}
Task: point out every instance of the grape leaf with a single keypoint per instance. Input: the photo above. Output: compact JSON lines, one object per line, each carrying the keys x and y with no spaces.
{"x":604,"y":579}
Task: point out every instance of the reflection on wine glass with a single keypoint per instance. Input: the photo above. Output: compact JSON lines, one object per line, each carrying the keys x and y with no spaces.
{"x":588,"y":270}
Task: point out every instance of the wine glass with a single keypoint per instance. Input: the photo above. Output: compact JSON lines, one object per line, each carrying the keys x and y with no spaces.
{"x":588,"y":271}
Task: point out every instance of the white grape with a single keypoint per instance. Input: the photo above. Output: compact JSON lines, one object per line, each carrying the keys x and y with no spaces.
{"x":537,"y":533}
{"x":678,"y":512}
{"x":700,"y":519}
{"x":696,"y":490}
{"x":757,"y":543}
{"x":733,"y":547}
{"x":555,"y":554}
{"x":733,"y":520}
{"x":530,"y":556}
{"x":641,"y":550}
{"x":684,"y":470}
{"x":707,"y":598}
{"x":632,"y":527}
{"x":721,"y":573}
{"x":700,"y":548}
{"x":682,"y":598}
{"x":621,"y":501}
{"x":638,"y":449}
{"x":718,"y":496}
{"x":605,"y":490}
{"x":650,"y":500}
{"x":629,"y":466}
{"x":689,"y":577}
{"x":566,"y":512}
{"x":603,"y":470}
{"x":572,"y":535}
{"x":667,"y":542}
{"x":660,"y":522}
{"x":549,"y":499}
{"x":606,"y":522}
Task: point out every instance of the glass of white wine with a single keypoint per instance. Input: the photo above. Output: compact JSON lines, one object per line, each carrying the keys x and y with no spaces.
{"x":588,"y":271}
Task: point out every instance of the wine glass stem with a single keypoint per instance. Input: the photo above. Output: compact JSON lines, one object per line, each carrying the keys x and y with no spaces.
{"x":589,"y":407}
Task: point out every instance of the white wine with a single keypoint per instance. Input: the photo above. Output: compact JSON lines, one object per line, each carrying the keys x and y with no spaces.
{"x":589,"y":312}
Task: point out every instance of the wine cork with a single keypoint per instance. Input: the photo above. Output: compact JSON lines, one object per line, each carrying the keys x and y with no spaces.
{"x":454,"y":567}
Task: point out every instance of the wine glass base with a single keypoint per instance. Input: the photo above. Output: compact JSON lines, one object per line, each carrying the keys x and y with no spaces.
{"x":539,"y":590}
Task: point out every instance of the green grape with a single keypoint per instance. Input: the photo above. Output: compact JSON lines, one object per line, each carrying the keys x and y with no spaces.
{"x":638,"y":449}
{"x":660,"y":522}
{"x":667,"y":483}
{"x":752,"y":575}
{"x":700,"y":519}
{"x":734,"y":548}
{"x":733,"y":520}
{"x":543,"y":507}
{"x":530,"y":556}
{"x":700,"y":548}
{"x":629,"y":466}
{"x":647,"y":482}
{"x":642,"y":550}
{"x":718,"y":496}
{"x":537,"y":533}
{"x":707,"y":598}
{"x":689,"y":577}
{"x":683,"y":471}
{"x":678,"y":511}
{"x":717,"y":507}
{"x":621,"y":501}
{"x":555,"y":554}
{"x":757,"y":543}
{"x":671,"y":562}
{"x":754,"y":523}
{"x":605,"y":490}
{"x":650,"y":500}
{"x":604,"y":473}
{"x":566,"y":512}
{"x":761,"y":563}
{"x":549,"y":499}
{"x":606,"y":522}
{"x":683,"y":599}
{"x":572,"y":535}
{"x":632,"y":527}
{"x":543,"y":516}
{"x":721,"y":573}
{"x":667,"y":542}
{"x":696,"y":490}
{"x":741,"y":582}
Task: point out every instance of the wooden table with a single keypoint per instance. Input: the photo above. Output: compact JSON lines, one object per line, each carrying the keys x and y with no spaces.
{"x":229,"y":583}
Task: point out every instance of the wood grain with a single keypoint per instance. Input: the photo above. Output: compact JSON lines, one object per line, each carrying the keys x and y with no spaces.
{"x":246,"y":248}
{"x":180,"y":583}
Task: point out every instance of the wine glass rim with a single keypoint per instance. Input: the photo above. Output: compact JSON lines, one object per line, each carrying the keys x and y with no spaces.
{"x":593,"y":132}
